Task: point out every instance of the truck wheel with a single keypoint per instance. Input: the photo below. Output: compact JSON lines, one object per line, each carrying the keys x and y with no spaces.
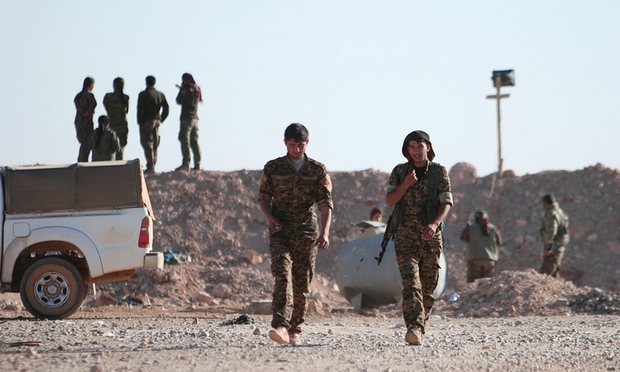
{"x":52,"y":288}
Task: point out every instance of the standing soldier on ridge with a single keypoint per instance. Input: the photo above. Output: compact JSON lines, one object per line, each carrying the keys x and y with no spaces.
{"x":420,"y":190}
{"x":189,"y":97}
{"x":152,"y":111}
{"x":85,"y":104}
{"x":117,"y":105}
{"x":483,"y":241}
{"x":554,"y":235}
{"x":289,"y":188}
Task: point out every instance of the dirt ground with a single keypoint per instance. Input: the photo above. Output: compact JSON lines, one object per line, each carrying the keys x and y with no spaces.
{"x":157,"y":339}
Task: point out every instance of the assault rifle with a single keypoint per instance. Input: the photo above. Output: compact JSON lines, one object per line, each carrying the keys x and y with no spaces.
{"x":387,"y":236}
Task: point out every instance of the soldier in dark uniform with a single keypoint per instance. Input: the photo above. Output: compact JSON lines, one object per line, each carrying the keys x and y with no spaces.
{"x":85,"y":104}
{"x":152,"y":111}
{"x":103,"y":141}
{"x":554,"y":235}
{"x":289,"y":189}
{"x":189,"y":97}
{"x":117,"y":105}
{"x":420,"y":190}
{"x":483,"y":241}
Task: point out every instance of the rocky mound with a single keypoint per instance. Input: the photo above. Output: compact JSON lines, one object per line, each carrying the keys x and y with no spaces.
{"x":213,"y":218}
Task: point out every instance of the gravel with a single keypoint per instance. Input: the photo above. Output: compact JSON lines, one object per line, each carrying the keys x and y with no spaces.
{"x":157,"y":340}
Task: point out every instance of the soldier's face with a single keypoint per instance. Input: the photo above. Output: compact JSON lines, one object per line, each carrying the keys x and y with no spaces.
{"x":296,"y":149}
{"x":418,"y":151}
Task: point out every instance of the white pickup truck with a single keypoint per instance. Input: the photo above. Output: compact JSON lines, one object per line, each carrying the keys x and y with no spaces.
{"x":65,"y":227}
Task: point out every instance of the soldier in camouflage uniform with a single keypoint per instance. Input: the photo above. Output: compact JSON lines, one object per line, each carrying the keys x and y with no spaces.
{"x":152,"y":111}
{"x":103,"y":141}
{"x":483,"y":241}
{"x":421,"y":193}
{"x":290,"y":187}
{"x":117,"y":105}
{"x":85,"y":104}
{"x":189,"y":97}
{"x":554,"y":235}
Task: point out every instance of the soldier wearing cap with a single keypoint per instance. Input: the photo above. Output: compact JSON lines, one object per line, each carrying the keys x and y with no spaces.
{"x":289,"y":188}
{"x":421,"y":193}
{"x":554,"y":235}
{"x":483,"y":241}
{"x":117,"y":105}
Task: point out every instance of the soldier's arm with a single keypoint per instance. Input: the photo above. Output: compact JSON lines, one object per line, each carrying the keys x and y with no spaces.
{"x":265,"y":196}
{"x":165,"y":109}
{"x":140,"y":109}
{"x":326,"y":220}
{"x":498,"y":237}
{"x":397,"y":190}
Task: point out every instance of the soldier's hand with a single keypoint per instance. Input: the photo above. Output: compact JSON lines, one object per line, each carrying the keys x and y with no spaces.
{"x":429,"y":231}
{"x":410,"y":179}
{"x":322,"y":242}
{"x":274,"y":225}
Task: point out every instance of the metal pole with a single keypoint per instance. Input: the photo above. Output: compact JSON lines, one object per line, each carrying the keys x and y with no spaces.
{"x":499,"y":129}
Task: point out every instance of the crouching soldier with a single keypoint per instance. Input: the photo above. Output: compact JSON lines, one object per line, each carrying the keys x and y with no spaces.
{"x":103,"y":141}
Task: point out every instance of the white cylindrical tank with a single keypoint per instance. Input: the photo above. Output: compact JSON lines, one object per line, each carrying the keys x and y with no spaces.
{"x":364,"y":283}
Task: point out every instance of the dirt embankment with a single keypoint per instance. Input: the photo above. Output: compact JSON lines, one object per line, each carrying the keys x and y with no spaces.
{"x":213,"y":218}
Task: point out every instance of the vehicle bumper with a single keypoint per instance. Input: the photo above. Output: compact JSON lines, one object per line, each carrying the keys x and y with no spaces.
{"x":154,"y":261}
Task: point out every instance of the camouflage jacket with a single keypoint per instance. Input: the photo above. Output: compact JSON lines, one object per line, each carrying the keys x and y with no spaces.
{"x":189,"y":104}
{"x":554,"y":227}
{"x":85,"y":104}
{"x":104,"y":144}
{"x":150,"y":103}
{"x":116,"y":105}
{"x":421,"y":202}
{"x":293,"y":194}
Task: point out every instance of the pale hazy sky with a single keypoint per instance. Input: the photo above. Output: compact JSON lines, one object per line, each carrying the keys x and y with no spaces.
{"x":359,"y":74}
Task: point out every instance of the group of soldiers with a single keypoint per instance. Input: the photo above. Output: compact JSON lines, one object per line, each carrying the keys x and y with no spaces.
{"x":108,"y":141}
{"x":420,"y":191}
{"x":483,"y":240}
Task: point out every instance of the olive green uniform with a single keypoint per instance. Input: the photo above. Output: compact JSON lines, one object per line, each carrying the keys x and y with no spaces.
{"x":117,"y":105}
{"x":153,"y":110}
{"x":293,"y":195}
{"x":188,"y":133}
{"x":418,"y":259}
{"x":482,"y":250}
{"x":104,"y":144}
{"x":554,"y":235}
{"x":85,"y":104}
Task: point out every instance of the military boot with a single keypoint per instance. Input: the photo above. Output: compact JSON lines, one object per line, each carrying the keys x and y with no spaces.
{"x":183,"y":168}
{"x":294,"y":338}
{"x":196,"y":167}
{"x":279,"y":335}
{"x":414,"y":336}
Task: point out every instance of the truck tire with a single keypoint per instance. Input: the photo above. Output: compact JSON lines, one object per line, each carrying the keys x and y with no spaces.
{"x":52,"y":288}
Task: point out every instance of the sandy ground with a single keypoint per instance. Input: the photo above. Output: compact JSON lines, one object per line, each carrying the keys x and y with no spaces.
{"x":156,"y":339}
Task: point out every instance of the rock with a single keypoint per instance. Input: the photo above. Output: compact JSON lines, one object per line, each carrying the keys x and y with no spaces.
{"x":462,"y":174}
{"x":107,"y":300}
{"x":221,"y":290}
{"x":253,"y":258}
{"x":203,"y":297}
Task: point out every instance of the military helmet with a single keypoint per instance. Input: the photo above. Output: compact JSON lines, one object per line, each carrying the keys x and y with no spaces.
{"x":418,"y":135}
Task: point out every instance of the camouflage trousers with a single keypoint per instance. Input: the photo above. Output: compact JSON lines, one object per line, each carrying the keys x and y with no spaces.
{"x":188,"y":136}
{"x":418,"y":262}
{"x":121,"y":129}
{"x":292,"y":265}
{"x":479,"y":268}
{"x":149,"y":138}
{"x":83,"y":129}
{"x":551,"y":263}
